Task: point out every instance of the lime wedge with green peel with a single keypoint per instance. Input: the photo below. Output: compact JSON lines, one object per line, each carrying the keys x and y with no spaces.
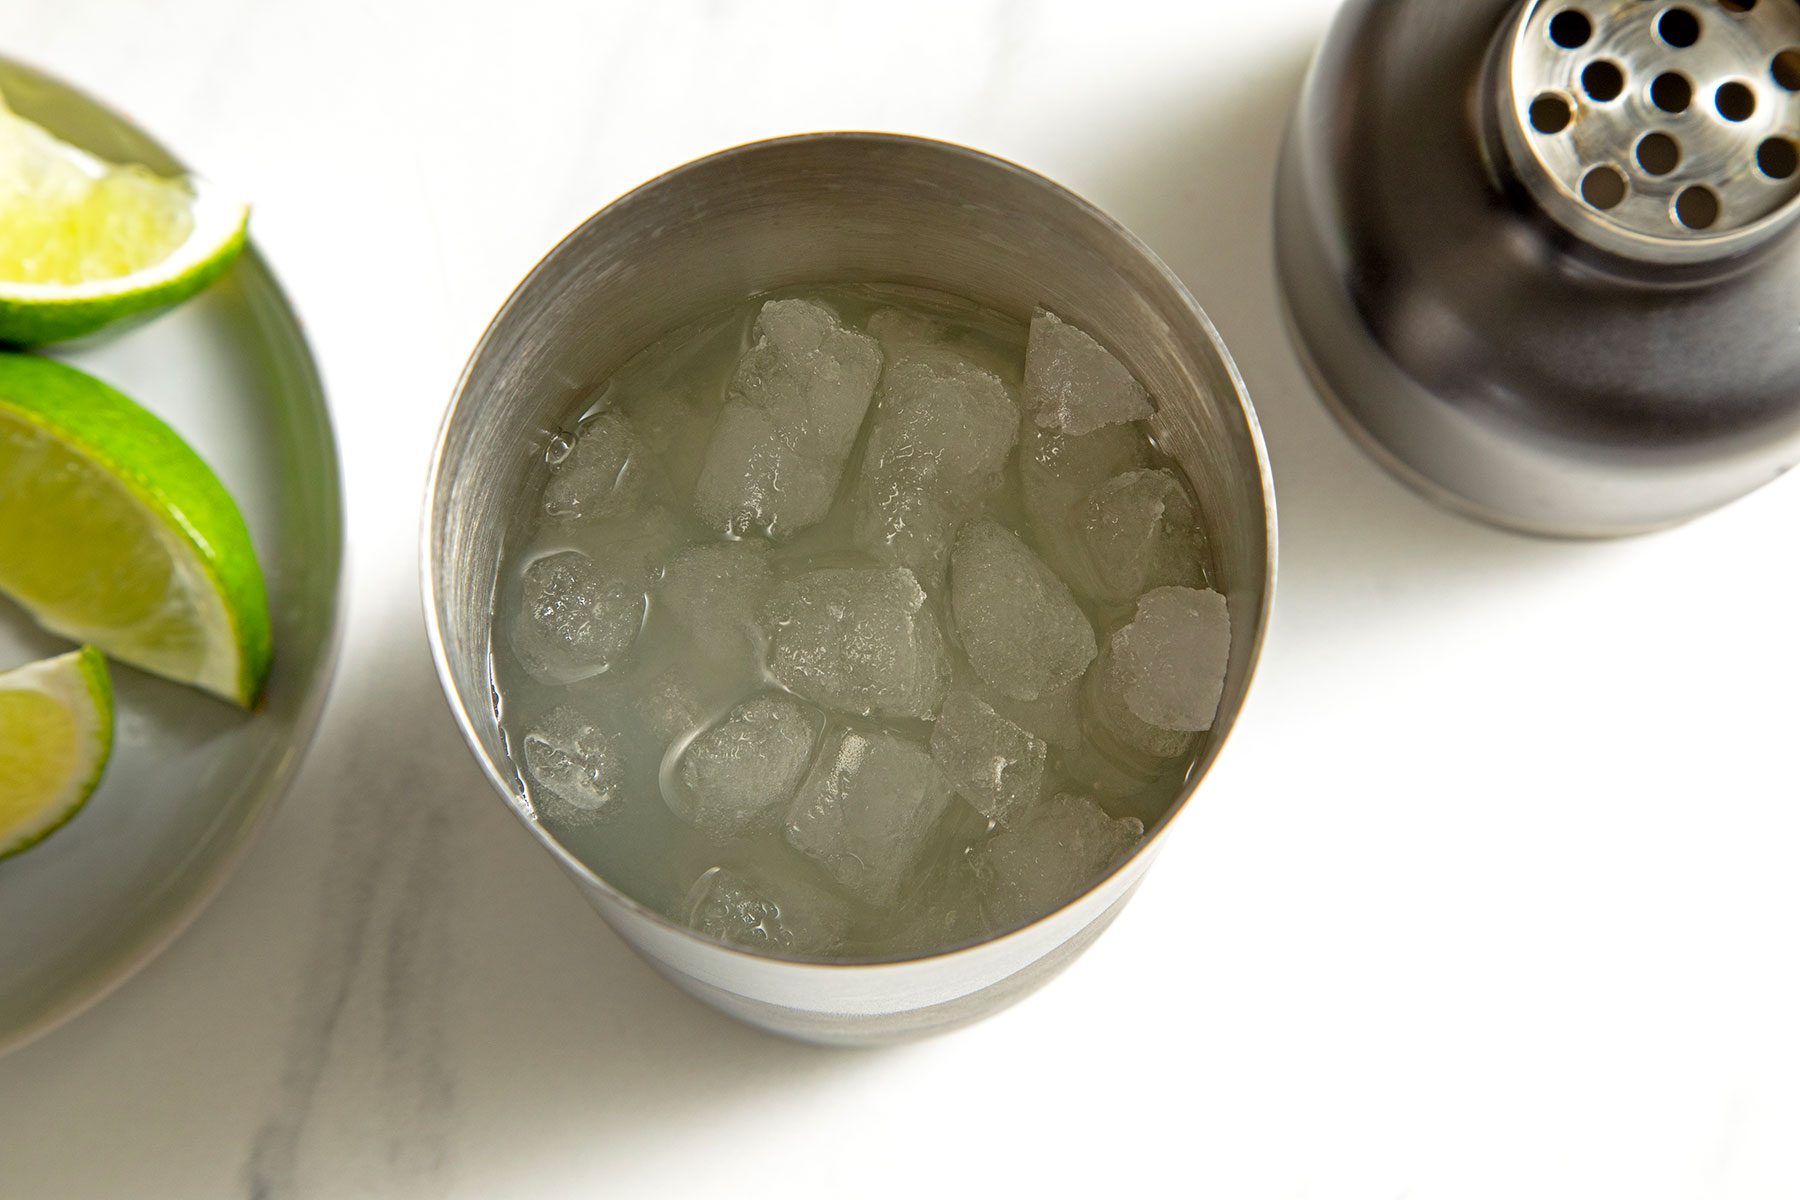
{"x":85,"y":242}
{"x":56,"y":733}
{"x":114,"y":532}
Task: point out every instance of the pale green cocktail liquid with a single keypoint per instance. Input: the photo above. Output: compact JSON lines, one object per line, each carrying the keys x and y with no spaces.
{"x":605,"y":773}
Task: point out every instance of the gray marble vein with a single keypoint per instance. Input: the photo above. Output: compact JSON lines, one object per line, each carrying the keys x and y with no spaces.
{"x":347,"y":899}
{"x":378,"y":970}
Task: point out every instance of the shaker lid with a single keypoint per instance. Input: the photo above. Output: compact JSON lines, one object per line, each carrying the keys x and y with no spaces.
{"x":1664,"y":133}
{"x":1541,"y":256}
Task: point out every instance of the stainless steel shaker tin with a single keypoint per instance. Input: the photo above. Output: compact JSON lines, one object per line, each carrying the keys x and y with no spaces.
{"x":1541,"y":257}
{"x":839,"y":207}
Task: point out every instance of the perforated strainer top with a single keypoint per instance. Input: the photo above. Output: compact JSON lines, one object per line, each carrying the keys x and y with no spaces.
{"x":1667,"y":130}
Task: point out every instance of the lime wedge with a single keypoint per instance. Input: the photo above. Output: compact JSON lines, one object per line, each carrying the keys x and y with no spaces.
{"x":56,"y":733}
{"x":114,"y":532}
{"x":85,"y":242}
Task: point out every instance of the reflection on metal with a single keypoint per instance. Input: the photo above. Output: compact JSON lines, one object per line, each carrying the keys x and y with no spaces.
{"x":836,"y":208}
{"x":1542,"y":257}
{"x":1664,"y":132}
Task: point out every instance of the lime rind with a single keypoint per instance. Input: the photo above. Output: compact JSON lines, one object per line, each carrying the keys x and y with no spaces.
{"x":195,"y":518}
{"x":35,"y":314}
{"x":80,"y":683}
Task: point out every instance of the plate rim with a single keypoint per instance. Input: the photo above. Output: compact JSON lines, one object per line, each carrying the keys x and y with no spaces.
{"x":162,"y":931}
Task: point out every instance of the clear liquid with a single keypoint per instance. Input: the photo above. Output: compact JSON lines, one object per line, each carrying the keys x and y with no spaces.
{"x":672,"y":392}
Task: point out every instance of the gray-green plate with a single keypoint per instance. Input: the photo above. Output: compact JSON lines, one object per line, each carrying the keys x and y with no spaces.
{"x":191,"y":778}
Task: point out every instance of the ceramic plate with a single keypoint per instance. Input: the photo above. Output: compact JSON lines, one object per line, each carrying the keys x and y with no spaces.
{"x":191,"y":777}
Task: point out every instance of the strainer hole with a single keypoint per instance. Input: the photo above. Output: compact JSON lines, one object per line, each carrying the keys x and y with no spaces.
{"x":1735,"y":101}
{"x":1786,"y":69}
{"x":1658,"y":153}
{"x":1678,"y":27}
{"x":1672,"y":92}
{"x":1604,"y":188}
{"x":1697,"y":208}
{"x":1550,"y":113}
{"x":1737,"y":6}
{"x":1571,"y":29}
{"x":1603,"y":80}
{"x":1778,"y":158}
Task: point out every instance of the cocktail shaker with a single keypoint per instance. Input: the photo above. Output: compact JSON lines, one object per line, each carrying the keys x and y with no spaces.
{"x":1542,"y":257}
{"x":822,"y":209}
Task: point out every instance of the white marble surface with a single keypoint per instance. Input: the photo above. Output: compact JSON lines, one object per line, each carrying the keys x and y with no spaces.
{"x":1494,"y":895}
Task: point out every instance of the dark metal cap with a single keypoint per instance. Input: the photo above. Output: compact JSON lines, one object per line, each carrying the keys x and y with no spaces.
{"x":1662,"y":132}
{"x":1543,"y":257}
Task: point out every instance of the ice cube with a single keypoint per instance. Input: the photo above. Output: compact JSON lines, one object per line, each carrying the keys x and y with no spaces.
{"x":578,"y":769}
{"x":909,"y":526}
{"x":673,"y":390}
{"x":785,"y":917}
{"x":717,"y":586}
{"x":674,"y":704}
{"x":1054,"y":717}
{"x":1123,"y":743}
{"x":1160,"y":678}
{"x":868,"y":811}
{"x":675,"y":423}
{"x":900,"y":331}
{"x":1055,"y":850}
{"x":1140,"y":532}
{"x":688,"y":681}
{"x":1018,"y":624}
{"x":942,"y":432}
{"x":810,"y":369}
{"x":635,"y":547}
{"x":858,"y":640}
{"x":991,"y":762}
{"x":794,"y":409}
{"x":1073,"y":385}
{"x":630,"y":548}
{"x":603,"y":474}
{"x":903,"y":334}
{"x":574,"y":619}
{"x":951,"y":915}
{"x":1057,"y":474}
{"x":962,"y":419}
{"x":1173,"y":658}
{"x":754,"y":481}
{"x":736,"y":775}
